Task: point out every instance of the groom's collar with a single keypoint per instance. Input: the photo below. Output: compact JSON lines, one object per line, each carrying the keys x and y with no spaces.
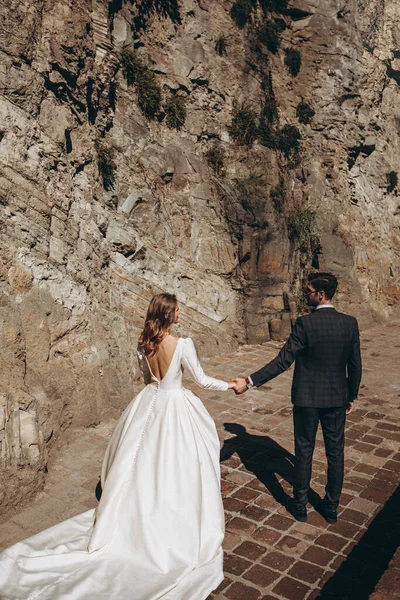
{"x":324,"y":306}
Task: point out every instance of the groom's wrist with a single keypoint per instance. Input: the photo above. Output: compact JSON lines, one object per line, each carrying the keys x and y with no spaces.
{"x":249,"y":382}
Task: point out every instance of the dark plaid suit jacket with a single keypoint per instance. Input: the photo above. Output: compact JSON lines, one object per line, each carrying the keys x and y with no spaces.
{"x":326,"y":347}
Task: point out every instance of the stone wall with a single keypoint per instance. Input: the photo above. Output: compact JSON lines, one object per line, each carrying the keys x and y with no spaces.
{"x":79,"y":263}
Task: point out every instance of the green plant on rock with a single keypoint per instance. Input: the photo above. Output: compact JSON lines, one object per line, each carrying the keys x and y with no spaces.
{"x":277,"y":195}
{"x":304,"y":113}
{"x":131,"y":65}
{"x":221,"y":45}
{"x":255,"y":51}
{"x":275,"y":6}
{"x":149,"y":94}
{"x":301,"y":228}
{"x":216,"y":158}
{"x":164,"y":8}
{"x":270,"y":107}
{"x":252,"y":194}
{"x":266,"y":134}
{"x":106,"y":164}
{"x":293,"y":61}
{"x":289,"y":141}
{"x":270,"y":34}
{"x":241,"y":12}
{"x":175,"y":111}
{"x":145,"y":82}
{"x":243,"y":129}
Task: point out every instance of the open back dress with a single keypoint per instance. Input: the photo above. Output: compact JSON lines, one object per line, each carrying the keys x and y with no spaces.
{"x":158,"y":528}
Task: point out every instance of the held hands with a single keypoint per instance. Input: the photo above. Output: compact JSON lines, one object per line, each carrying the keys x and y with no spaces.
{"x":238,"y":385}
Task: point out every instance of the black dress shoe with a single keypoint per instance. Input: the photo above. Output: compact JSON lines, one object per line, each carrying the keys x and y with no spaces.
{"x":329,"y":514}
{"x":300,"y":514}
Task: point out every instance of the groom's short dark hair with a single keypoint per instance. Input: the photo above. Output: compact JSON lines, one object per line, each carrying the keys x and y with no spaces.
{"x":323,"y":282}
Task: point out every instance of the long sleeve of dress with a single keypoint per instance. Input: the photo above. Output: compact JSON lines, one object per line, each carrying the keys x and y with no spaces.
{"x":191,"y":363}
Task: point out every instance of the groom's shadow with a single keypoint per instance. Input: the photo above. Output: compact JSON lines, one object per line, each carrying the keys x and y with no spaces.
{"x":264,"y":457}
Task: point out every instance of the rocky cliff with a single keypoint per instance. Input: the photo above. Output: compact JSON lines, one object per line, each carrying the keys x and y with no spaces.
{"x":213,"y":149}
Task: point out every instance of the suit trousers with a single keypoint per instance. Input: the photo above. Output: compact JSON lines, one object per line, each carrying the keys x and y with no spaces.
{"x":333,"y":422}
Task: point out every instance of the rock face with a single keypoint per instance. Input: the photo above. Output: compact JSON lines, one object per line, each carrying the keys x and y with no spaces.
{"x":81,"y":258}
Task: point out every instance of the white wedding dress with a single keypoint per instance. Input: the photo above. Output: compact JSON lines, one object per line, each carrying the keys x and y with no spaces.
{"x":158,"y":529}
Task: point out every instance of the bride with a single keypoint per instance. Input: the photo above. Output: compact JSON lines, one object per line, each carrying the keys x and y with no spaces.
{"x":158,"y":529}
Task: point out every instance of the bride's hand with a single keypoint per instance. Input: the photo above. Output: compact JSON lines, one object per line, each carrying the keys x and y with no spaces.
{"x":231,"y":384}
{"x":240,"y":385}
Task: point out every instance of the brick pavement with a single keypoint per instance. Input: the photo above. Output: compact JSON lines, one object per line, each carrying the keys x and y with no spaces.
{"x":268,"y":554}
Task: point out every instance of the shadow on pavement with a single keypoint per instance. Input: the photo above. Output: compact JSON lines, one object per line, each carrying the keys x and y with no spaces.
{"x":361,"y":571}
{"x":264,"y":457}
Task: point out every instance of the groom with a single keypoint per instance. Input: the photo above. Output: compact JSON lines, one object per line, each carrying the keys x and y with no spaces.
{"x":326,"y":347}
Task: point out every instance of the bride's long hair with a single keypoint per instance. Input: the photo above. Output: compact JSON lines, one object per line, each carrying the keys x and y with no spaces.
{"x":160,"y":316}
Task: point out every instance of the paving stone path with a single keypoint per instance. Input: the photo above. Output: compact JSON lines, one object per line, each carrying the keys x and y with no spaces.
{"x":268,"y":554}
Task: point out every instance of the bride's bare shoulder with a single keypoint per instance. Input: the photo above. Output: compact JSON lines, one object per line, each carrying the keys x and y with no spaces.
{"x":170,"y":341}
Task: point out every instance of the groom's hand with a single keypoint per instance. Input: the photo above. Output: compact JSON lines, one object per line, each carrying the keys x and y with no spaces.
{"x":349,"y":407}
{"x":240,"y":385}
